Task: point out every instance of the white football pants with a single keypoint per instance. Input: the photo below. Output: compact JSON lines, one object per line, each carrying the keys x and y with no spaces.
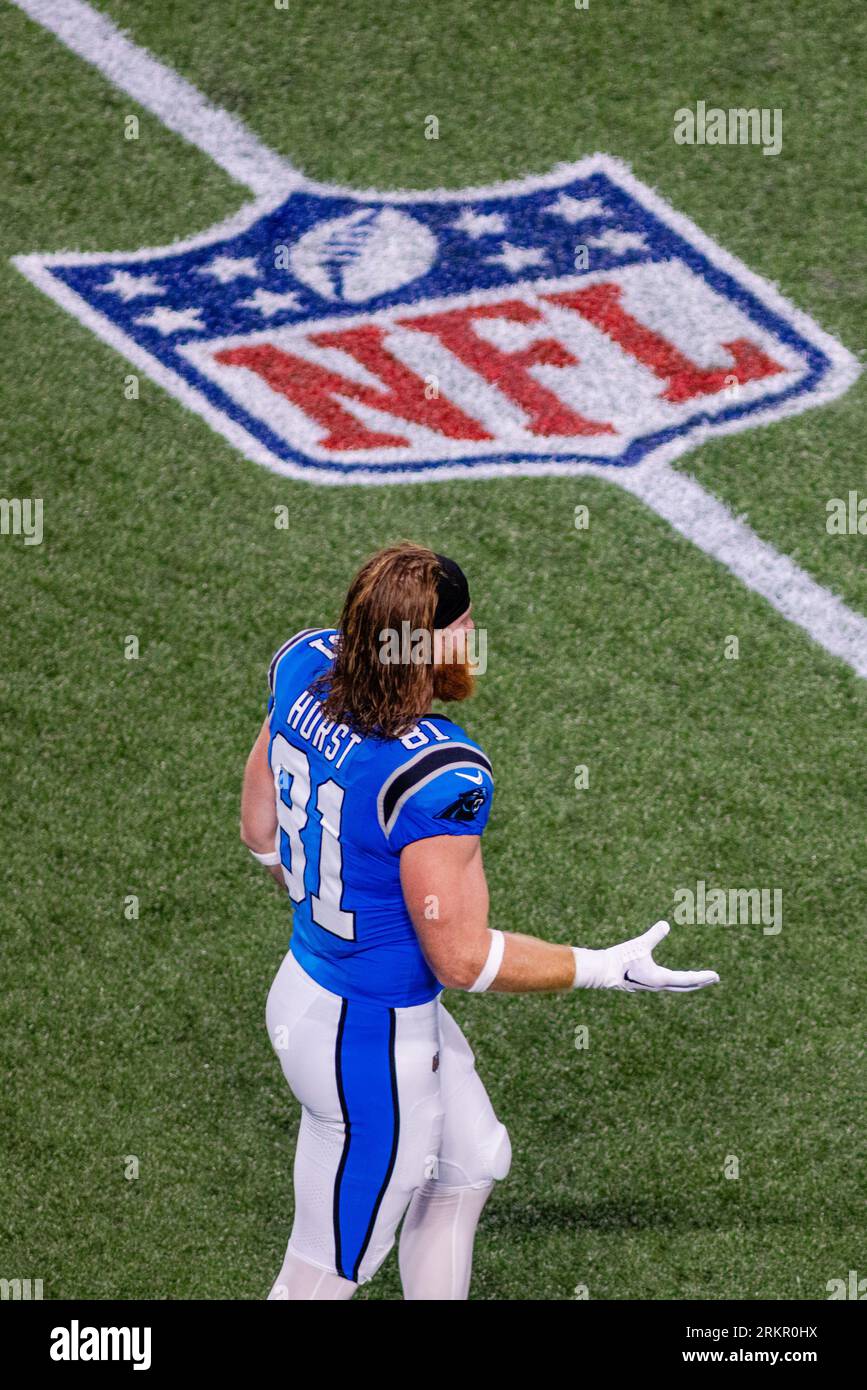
{"x":393,"y":1112}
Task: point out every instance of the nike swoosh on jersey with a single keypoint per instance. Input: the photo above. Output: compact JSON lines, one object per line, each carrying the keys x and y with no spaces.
{"x":470,"y":778}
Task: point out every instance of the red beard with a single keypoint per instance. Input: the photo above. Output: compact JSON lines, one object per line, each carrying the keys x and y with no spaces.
{"x":453,"y":681}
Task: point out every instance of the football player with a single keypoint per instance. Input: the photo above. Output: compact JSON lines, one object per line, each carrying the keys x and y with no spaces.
{"x":370,"y":809}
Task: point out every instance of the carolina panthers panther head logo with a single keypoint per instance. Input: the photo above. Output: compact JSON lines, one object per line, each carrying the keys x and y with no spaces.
{"x":466,"y":808}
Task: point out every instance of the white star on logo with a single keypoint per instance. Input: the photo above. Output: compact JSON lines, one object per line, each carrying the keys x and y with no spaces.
{"x":619,"y":241}
{"x":172,"y":320}
{"x":477,"y":224}
{"x":228,"y":268}
{"x":575,"y":209}
{"x":515,"y":258}
{"x":130,"y":286}
{"x":269,"y":303}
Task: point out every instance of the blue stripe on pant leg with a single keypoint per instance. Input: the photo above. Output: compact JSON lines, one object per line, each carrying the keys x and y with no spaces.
{"x":367,"y":1085}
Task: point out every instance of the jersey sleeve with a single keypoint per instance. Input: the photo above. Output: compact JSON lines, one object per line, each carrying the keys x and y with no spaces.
{"x":447,"y":791}
{"x":297,"y":647}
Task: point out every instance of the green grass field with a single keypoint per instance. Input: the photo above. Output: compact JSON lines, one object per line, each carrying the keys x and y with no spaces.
{"x":146,"y":1038}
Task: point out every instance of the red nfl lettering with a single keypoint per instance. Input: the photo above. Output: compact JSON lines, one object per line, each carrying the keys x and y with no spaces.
{"x":315,"y":390}
{"x":600,"y":305}
{"x":508,"y":371}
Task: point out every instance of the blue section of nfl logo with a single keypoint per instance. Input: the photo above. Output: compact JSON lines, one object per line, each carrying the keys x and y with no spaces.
{"x":556,"y":325}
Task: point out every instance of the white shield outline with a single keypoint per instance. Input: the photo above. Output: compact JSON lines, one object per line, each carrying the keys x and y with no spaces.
{"x":842,"y":372}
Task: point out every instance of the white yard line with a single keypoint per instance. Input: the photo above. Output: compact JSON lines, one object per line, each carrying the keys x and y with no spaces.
{"x":677,"y":497}
{"x":164,"y":93}
{"x":709,"y":524}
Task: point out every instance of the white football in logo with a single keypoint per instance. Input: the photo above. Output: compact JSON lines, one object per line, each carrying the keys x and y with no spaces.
{"x":367,"y":253}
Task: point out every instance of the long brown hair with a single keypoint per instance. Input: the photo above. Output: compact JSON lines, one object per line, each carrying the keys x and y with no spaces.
{"x":397,"y":585}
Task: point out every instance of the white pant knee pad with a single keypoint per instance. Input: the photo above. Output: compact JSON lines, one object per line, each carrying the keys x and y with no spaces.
{"x":480,"y":1165}
{"x":501,"y":1160}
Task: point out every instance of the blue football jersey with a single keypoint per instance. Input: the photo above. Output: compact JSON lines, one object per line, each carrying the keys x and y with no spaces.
{"x":347,"y":805}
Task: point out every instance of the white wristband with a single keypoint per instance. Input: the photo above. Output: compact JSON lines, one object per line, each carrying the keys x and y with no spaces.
{"x":268,"y":859}
{"x":590,"y":968}
{"x":491,"y":967}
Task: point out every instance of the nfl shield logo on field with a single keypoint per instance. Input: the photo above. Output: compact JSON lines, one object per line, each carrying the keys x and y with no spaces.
{"x":568,"y":323}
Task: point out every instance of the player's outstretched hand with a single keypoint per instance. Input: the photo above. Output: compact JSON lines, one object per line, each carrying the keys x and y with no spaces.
{"x":631,"y":967}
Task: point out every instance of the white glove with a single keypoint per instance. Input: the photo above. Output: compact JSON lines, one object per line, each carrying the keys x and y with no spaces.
{"x":631,"y":966}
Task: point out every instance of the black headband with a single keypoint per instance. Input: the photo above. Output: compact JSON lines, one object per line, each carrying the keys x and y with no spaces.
{"x":453,"y":592}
